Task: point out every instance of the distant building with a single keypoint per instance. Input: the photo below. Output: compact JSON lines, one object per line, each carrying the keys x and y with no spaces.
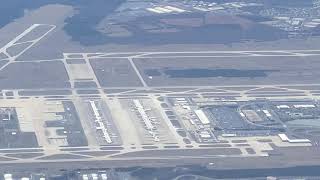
{"x":202,"y":117}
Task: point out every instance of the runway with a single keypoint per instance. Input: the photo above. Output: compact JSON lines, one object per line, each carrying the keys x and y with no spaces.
{"x":120,"y":75}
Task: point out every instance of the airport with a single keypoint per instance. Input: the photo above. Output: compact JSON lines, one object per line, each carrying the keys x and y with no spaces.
{"x":156,"y":106}
{"x":97,"y":115}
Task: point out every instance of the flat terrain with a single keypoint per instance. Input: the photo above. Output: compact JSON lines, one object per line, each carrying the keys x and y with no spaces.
{"x":118,"y":105}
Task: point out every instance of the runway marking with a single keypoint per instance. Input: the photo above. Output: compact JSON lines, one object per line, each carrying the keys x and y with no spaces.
{"x":204,"y":54}
{"x":189,"y":52}
{"x":221,"y":87}
{"x":16,"y":40}
{"x":241,"y":94}
{"x":95,"y":78}
{"x":137,"y":72}
{"x":252,"y":55}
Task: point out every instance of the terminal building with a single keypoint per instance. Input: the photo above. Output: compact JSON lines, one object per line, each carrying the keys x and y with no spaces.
{"x":100,"y":125}
{"x":203,"y":118}
{"x":285,"y":138}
